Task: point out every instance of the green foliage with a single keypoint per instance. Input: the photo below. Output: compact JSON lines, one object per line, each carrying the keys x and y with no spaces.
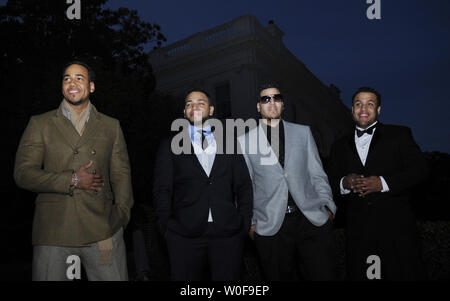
{"x":38,"y":38}
{"x":436,"y":248}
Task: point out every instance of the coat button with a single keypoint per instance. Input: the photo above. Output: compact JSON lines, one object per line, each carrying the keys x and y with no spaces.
{"x":75,"y":152}
{"x":93,"y":152}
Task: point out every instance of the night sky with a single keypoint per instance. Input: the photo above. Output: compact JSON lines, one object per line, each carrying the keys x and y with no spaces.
{"x":405,"y":55}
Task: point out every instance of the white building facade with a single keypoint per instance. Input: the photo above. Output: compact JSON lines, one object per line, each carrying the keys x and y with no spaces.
{"x":230,"y":61}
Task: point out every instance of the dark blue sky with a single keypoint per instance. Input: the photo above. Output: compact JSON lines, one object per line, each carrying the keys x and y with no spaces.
{"x":405,"y":55}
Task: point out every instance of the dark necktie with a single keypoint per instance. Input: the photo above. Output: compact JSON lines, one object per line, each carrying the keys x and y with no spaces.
{"x":204,"y":140}
{"x":369,"y":131}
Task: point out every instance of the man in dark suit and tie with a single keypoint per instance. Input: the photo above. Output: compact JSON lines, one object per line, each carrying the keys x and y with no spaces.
{"x":372,"y":170}
{"x":203,"y":200}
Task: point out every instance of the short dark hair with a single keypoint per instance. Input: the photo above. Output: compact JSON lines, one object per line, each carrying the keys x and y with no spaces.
{"x":367,"y":90}
{"x":91,"y":73}
{"x":270,"y":84}
{"x":210,"y":100}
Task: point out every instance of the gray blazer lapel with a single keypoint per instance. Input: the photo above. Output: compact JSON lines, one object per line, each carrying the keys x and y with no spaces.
{"x":288,"y":145}
{"x":262,"y":135}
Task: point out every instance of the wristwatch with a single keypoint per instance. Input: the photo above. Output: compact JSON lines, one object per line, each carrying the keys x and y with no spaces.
{"x":75,"y":183}
{"x":75,"y":180}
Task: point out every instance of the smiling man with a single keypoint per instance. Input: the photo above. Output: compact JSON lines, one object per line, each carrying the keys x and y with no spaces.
{"x":76,"y":160}
{"x":372,"y":170}
{"x":203,"y":200}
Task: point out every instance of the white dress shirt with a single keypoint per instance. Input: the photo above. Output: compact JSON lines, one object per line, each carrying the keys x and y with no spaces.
{"x":205,"y":156}
{"x":362,"y":146}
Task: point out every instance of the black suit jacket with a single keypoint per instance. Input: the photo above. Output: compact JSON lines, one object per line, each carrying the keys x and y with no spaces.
{"x":394,"y":155}
{"x":183,"y":193}
{"x":381,"y":224}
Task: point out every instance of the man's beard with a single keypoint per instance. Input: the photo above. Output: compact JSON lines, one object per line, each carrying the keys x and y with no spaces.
{"x":269,"y":119}
{"x":204,"y":119}
{"x":78,"y":103}
{"x":360,"y":125}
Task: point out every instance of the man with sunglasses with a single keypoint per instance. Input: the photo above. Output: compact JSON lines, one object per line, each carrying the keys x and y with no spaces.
{"x":293,"y":205}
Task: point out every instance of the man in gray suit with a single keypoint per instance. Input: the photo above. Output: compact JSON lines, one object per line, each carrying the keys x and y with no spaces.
{"x":293,"y":203}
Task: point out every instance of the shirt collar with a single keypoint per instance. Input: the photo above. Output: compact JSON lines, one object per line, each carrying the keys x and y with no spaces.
{"x":67,"y":110}
{"x":193,"y":130}
{"x":361,"y":129}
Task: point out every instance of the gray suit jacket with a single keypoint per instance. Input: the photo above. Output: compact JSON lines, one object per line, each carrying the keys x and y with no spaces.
{"x":303,"y":176}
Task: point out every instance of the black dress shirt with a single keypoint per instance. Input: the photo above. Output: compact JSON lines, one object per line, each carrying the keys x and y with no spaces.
{"x":279,"y":148}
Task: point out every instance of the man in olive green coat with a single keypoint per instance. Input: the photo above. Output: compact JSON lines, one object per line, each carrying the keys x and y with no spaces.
{"x":76,"y":160}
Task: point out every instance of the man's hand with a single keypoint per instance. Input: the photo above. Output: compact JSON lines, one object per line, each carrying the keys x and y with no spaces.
{"x":349,"y":181}
{"x":88,"y":181}
{"x":366,"y":185}
{"x":330,"y":214}
{"x":252,"y":232}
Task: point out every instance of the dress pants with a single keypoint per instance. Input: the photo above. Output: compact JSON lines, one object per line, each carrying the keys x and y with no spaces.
{"x":387,"y":230}
{"x":208,"y":257}
{"x":49,"y":262}
{"x":299,"y":250}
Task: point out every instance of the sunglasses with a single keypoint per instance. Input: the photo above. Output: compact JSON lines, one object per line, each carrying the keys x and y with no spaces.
{"x":267,"y":98}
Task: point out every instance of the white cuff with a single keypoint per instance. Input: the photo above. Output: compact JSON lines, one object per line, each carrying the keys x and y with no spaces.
{"x":343,"y":190}
{"x":385,"y":185}
{"x":210,"y":218}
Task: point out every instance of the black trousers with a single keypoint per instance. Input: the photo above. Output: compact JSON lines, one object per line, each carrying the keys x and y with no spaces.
{"x":208,"y":257}
{"x":299,"y":250}
{"x":389,"y":232}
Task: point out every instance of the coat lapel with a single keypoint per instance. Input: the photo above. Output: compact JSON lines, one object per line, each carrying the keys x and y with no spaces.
{"x":287,"y":147}
{"x":66,"y":128}
{"x":353,"y":151}
{"x":272,"y":152}
{"x":91,"y":127}
{"x":219,"y":157}
{"x":194,"y":158}
{"x":217,"y":161}
{"x":69,"y":132}
{"x":375,"y":143}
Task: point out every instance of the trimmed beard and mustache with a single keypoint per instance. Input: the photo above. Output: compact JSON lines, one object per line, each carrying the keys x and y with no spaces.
{"x":204,"y":119}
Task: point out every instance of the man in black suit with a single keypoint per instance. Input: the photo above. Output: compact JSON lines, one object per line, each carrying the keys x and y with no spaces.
{"x":372,"y":170}
{"x":203,"y":200}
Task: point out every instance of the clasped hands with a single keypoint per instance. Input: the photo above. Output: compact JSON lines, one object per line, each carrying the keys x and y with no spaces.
{"x":88,"y":181}
{"x":362,"y":185}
